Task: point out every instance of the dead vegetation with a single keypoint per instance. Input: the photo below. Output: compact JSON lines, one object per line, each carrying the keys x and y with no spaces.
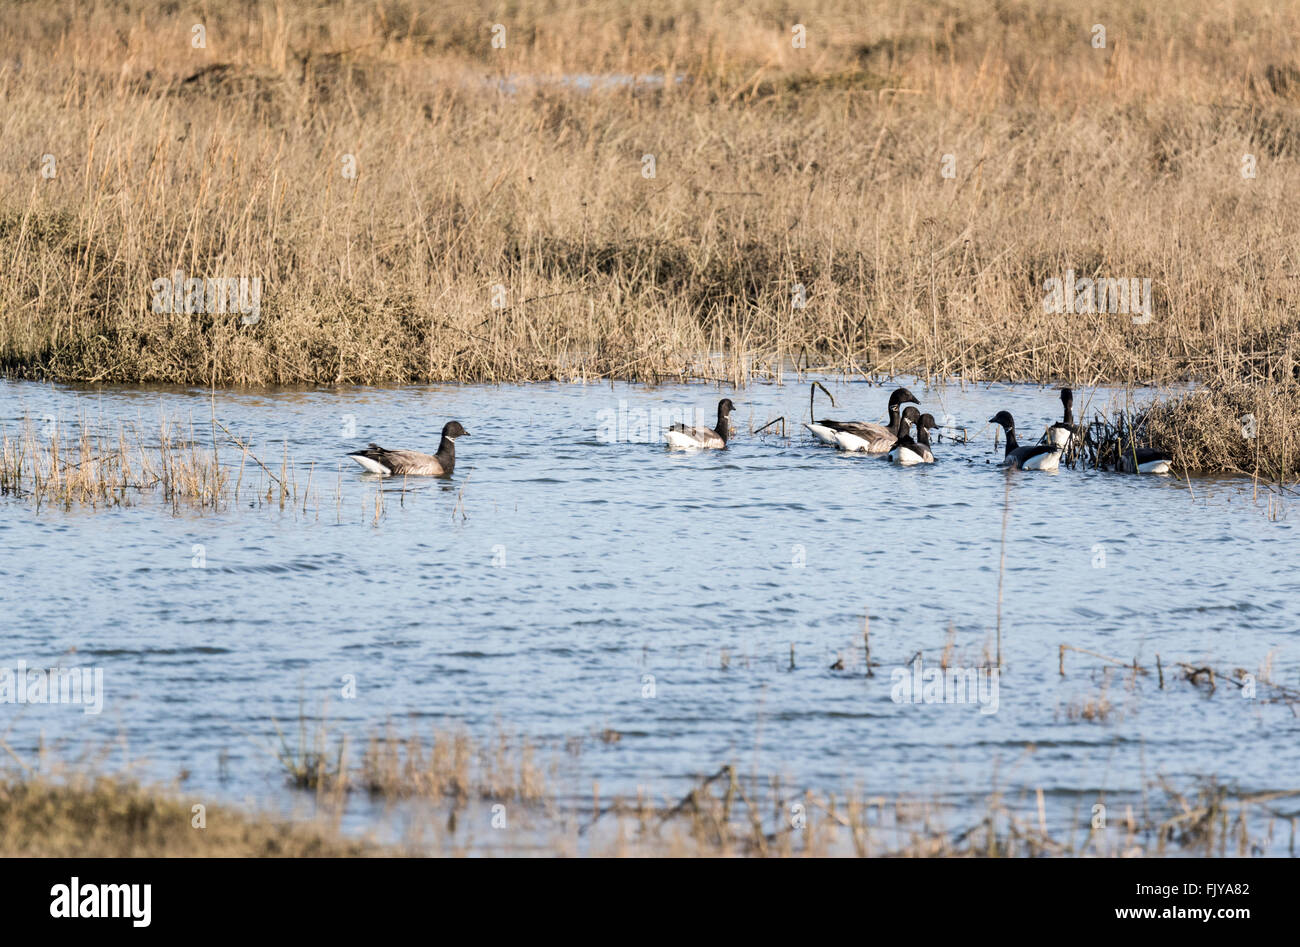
{"x":722,"y":815}
{"x":89,"y":464}
{"x":1228,"y":427}
{"x":436,"y":767}
{"x":110,"y":818}
{"x":500,"y":227}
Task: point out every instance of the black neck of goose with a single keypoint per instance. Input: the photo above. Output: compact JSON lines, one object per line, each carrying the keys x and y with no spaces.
{"x":722,"y":425}
{"x":922,"y":435}
{"x":895,"y":420}
{"x":1068,"y":421}
{"x":1011,"y":439}
{"x":446,"y":451}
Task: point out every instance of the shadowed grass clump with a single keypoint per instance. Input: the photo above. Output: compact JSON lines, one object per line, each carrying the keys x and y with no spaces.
{"x":1240,"y":428}
{"x":1227,"y":426}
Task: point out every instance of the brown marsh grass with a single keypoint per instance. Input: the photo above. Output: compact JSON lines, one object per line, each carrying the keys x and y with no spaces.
{"x":105,"y":817}
{"x":88,"y":464}
{"x":483,"y":171}
{"x":93,"y":468}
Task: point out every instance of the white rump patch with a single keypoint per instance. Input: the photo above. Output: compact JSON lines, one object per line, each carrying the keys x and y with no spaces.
{"x":1154,"y":467}
{"x":677,"y":440}
{"x":373,"y":466}
{"x":824,"y":434}
{"x":853,"y":443}
{"x":906,"y":458}
{"x":1050,"y":460}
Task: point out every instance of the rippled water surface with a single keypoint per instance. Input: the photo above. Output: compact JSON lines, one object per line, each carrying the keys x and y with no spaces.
{"x":560,"y":569}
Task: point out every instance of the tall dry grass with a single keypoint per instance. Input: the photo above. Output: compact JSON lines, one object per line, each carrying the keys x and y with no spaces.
{"x":774,"y":166}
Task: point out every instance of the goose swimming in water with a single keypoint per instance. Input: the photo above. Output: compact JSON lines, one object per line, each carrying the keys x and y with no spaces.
{"x":1145,"y":460}
{"x":1061,"y":432}
{"x":864,"y":435}
{"x":681,"y":437}
{"x":908,"y":450}
{"x":412,"y":463}
{"x":1029,"y":456}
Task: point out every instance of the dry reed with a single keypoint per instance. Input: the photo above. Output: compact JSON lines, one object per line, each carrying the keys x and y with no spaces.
{"x":88,"y":464}
{"x":775,"y":167}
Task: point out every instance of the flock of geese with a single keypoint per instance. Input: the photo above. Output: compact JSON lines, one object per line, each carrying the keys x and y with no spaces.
{"x":893,"y":440}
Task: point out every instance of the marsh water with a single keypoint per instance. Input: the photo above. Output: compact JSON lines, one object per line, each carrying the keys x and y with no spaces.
{"x":573,"y":578}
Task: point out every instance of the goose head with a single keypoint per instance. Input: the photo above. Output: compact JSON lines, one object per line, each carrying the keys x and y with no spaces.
{"x":1003,"y":418}
{"x":1067,"y":397}
{"x":927,"y":421}
{"x":452,"y":430}
{"x":902,"y":396}
{"x":911,"y":415}
{"x":725,"y":407}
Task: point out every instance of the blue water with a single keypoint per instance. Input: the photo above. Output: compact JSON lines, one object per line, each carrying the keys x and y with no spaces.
{"x":564,"y":572}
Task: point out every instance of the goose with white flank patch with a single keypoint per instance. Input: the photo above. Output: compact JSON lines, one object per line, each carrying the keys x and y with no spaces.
{"x":908,"y":450}
{"x":864,"y":435}
{"x":412,"y":463}
{"x":1028,"y":456}
{"x":1145,"y":460}
{"x":1061,"y":432}
{"x":681,"y":437}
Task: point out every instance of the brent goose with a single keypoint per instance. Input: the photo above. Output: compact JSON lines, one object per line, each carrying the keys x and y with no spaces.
{"x":681,"y":437}
{"x":1144,"y":460}
{"x":864,"y":435}
{"x":1030,"y":456}
{"x":907,"y":450}
{"x":411,"y":463}
{"x":1061,"y":432}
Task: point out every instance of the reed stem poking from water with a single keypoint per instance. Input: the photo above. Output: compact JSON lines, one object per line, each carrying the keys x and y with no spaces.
{"x":866,"y":641}
{"x":1002,"y":560}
